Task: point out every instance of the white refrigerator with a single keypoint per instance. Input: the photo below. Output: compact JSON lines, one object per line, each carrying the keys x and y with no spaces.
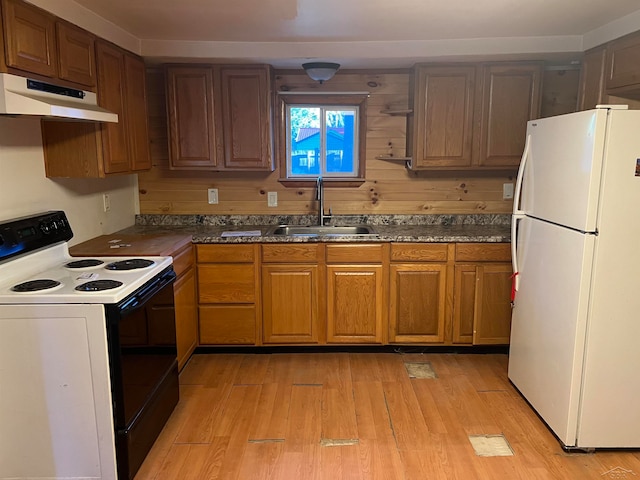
{"x":575,"y":337}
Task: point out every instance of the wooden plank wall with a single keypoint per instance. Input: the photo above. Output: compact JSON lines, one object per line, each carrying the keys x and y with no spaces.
{"x":390,"y":188}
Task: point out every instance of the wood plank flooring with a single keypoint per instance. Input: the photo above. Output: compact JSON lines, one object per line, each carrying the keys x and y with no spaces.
{"x":359,"y":416}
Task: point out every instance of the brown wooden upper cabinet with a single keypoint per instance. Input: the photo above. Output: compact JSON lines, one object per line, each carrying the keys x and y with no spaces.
{"x":592,"y":78}
{"x":440,"y":135}
{"x":30,"y":38}
{"x":246,"y":118}
{"x":43,"y":46}
{"x":85,"y":150}
{"x":623,"y":65}
{"x":220,"y":117}
{"x":471,"y":116}
{"x":510,"y":98}
{"x":111,"y":95}
{"x":76,"y":57}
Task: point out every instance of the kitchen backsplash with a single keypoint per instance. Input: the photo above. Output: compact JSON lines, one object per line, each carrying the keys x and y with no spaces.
{"x":177,"y":220}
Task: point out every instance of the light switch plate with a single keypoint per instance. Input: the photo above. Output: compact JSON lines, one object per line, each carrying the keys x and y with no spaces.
{"x":507,"y":191}
{"x":106,"y":202}
{"x":213,"y":195}
{"x":272,"y":199}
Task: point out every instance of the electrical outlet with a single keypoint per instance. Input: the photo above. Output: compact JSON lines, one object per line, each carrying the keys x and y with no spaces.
{"x":212,"y":195}
{"x":106,"y":202}
{"x":272,"y":199}
{"x":507,"y":191}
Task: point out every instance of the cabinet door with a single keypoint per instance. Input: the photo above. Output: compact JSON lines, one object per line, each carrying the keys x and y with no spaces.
{"x":30,"y":38}
{"x":192,"y":132}
{"x":355,"y":304}
{"x":76,"y":54}
{"x":443,"y":116}
{"x":493,"y":305}
{"x":186,"y":316}
{"x":138,"y":132}
{"x":592,"y":79}
{"x":111,"y":95}
{"x":510,"y":98}
{"x":464,"y":303}
{"x":290,"y":300}
{"x":246,"y":118}
{"x":417,"y":303}
{"x":623,"y":62}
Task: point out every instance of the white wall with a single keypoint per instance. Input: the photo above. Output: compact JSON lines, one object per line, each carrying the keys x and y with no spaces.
{"x":25,"y":190}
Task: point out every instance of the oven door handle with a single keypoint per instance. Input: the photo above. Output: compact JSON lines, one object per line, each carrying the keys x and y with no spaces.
{"x":146,"y":292}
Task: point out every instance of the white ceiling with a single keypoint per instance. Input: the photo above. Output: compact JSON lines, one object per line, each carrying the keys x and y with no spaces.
{"x":362,"y":32}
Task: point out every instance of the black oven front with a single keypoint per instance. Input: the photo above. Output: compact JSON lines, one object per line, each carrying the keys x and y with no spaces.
{"x":144,"y":369}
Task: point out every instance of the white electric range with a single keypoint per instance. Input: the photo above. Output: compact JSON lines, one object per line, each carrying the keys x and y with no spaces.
{"x":88,"y":372}
{"x":53,"y":276}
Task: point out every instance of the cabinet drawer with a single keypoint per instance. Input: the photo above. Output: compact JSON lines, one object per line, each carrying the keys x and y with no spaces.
{"x":227,"y":325}
{"x":419,"y":252}
{"x":183,"y":260}
{"x":226,"y":253}
{"x":230,"y":283}
{"x":290,"y":253}
{"x":483,"y":252}
{"x":354,"y":253}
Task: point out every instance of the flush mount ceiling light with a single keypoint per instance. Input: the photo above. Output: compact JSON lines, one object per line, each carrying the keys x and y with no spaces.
{"x":321,"y":71}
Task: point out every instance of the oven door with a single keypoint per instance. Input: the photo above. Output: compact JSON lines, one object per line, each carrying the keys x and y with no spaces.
{"x":144,"y":368}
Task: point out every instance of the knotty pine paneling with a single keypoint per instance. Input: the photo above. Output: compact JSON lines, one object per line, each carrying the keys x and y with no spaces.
{"x":390,"y":188}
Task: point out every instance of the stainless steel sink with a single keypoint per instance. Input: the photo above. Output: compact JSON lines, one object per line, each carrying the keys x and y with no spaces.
{"x":311,"y":230}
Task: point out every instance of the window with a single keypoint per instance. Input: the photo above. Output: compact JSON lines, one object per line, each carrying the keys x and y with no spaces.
{"x":322,"y":136}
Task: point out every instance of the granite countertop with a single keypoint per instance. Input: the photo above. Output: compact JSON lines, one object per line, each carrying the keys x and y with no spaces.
{"x":386,"y":233}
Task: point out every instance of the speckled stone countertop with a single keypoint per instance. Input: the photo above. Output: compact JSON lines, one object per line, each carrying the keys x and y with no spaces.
{"x":389,"y":228}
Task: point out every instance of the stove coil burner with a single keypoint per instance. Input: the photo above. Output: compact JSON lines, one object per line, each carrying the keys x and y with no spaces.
{"x":89,"y":262}
{"x":130,"y":264}
{"x":35,"y":285}
{"x":98,"y":285}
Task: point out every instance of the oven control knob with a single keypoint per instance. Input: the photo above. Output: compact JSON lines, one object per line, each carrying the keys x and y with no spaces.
{"x":45,"y":228}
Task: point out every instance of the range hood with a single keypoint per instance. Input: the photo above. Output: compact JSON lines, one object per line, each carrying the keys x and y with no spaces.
{"x":23,"y":96}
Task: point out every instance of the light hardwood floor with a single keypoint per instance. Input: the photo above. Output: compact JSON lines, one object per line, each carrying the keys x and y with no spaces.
{"x":279,"y":417}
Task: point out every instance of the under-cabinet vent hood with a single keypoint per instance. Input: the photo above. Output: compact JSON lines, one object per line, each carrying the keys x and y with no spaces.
{"x":23,"y":96}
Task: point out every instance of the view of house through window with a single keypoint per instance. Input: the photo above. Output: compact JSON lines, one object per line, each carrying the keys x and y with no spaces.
{"x":322,"y":140}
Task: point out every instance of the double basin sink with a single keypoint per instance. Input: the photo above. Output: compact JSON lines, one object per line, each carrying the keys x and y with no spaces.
{"x":323,"y":230}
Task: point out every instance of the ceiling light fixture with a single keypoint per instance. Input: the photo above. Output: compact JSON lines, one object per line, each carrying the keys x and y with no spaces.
{"x":321,"y":71}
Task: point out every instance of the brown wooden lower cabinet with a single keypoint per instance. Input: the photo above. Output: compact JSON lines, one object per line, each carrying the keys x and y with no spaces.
{"x":482,"y":294}
{"x":228,"y":294}
{"x":417,"y":303}
{"x":184,"y":293}
{"x":464,"y":303}
{"x":493,"y":305}
{"x":355,"y":304}
{"x":314,"y":294}
{"x":290,"y":296}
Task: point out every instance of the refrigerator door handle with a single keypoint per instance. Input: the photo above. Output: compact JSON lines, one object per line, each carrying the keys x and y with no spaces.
{"x":515,"y":283}
{"x":520,"y":178}
{"x":517,"y":216}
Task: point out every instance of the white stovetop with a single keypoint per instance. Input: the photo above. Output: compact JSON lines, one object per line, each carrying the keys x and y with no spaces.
{"x":49,"y":264}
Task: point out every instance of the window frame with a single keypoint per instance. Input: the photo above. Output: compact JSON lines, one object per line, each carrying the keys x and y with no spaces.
{"x":352,"y":100}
